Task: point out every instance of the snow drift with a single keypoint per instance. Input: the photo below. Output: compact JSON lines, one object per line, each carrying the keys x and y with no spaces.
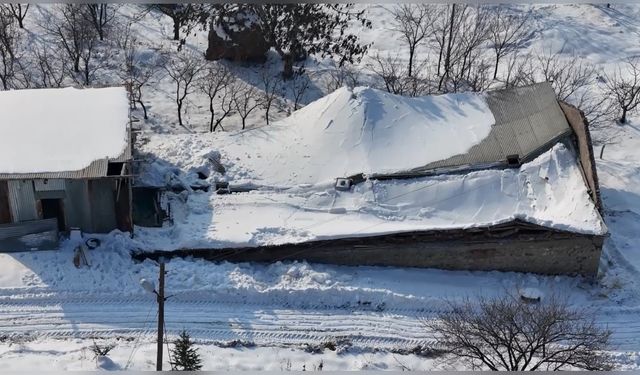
{"x":55,"y":130}
{"x":363,"y":130}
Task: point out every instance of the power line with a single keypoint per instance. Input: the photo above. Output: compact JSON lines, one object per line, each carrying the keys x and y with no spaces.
{"x":137,"y":340}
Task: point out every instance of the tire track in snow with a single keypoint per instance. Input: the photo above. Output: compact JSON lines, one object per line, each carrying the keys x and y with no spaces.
{"x":263,"y":324}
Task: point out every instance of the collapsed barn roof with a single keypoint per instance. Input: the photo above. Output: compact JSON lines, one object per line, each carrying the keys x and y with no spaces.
{"x":63,"y":133}
{"x":368,"y":131}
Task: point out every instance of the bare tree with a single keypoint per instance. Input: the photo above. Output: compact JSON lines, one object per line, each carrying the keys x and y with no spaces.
{"x":272,"y":85}
{"x":506,"y":333}
{"x":183,"y":70}
{"x":507,"y":32}
{"x":414,"y":23}
{"x":246,"y":100}
{"x":19,"y":12}
{"x":346,"y":75}
{"x":395,"y":77}
{"x":567,"y":76}
{"x":623,"y":85}
{"x":184,"y":16}
{"x":74,"y":34}
{"x":298,"y":87}
{"x":460,"y":39}
{"x":100,"y":16}
{"x":137,"y":73}
{"x":51,"y":68}
{"x":215,"y":79}
{"x":227,"y":104}
{"x":520,"y":71}
{"x":9,"y":39}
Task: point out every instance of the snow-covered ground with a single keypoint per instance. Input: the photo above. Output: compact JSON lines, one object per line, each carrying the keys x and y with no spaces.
{"x":50,"y":311}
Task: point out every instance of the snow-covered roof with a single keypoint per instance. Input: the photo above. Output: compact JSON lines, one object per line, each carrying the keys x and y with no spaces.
{"x":548,"y":191}
{"x":368,"y":131}
{"x":363,"y":130}
{"x":53,"y":132}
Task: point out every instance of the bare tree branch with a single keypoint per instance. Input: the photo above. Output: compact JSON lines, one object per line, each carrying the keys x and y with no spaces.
{"x":506,"y":333}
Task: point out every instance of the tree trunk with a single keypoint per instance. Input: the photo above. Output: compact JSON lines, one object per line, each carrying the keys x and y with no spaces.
{"x":602,"y":150}
{"x":180,"y":112}
{"x":266,"y":114}
{"x":447,"y":60}
{"x":623,"y":119}
{"x":218,"y":123}
{"x":20,"y":23}
{"x":411,"y":53}
{"x":176,"y":29}
{"x":211,"y":129}
{"x":495,"y":71}
{"x":287,"y":72}
{"x":447,"y":57}
{"x":243,"y":123}
{"x":76,"y":64}
{"x":144,"y":109}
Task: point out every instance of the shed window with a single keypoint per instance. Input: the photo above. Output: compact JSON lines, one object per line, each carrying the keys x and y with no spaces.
{"x":114,"y":169}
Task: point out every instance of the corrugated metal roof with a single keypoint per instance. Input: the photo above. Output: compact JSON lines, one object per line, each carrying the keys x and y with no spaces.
{"x":528,"y":121}
{"x":97,"y":169}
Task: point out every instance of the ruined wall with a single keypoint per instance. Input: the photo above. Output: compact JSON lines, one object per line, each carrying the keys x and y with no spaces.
{"x":542,"y":252}
{"x":580,"y":127}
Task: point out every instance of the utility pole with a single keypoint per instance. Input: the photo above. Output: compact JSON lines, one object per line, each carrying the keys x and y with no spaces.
{"x":161,"y":299}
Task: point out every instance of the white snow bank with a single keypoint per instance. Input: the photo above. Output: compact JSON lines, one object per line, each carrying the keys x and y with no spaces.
{"x":548,"y":191}
{"x":348,"y":132}
{"x":55,"y":130}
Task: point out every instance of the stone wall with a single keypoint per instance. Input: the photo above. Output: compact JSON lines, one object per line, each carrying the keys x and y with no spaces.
{"x":537,"y":252}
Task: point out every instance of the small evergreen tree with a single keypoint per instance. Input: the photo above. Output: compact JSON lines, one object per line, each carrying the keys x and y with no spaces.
{"x":184,"y":357}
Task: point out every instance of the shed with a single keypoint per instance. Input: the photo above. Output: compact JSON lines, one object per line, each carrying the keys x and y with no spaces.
{"x":64,"y":162}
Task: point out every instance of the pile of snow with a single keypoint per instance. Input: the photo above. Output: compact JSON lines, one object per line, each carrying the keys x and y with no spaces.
{"x":548,"y":191}
{"x":56,"y":130}
{"x":348,"y":132}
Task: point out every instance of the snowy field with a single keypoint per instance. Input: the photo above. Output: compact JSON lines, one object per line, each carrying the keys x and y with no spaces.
{"x":278,"y":315}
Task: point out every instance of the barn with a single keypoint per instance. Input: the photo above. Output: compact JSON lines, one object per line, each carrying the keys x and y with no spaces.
{"x":503,"y":180}
{"x":65,"y":159}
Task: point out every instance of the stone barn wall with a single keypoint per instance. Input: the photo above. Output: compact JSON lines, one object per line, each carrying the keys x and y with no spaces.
{"x":521,"y":251}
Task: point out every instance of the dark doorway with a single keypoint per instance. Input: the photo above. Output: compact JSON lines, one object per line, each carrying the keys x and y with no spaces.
{"x":52,"y":208}
{"x":5,"y":213}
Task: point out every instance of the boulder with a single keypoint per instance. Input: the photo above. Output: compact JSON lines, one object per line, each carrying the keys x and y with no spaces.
{"x":245,"y":44}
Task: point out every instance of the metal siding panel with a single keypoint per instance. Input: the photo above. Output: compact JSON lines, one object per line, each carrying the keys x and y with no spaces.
{"x":48,"y":185}
{"x":22,"y":200}
{"x":76,"y":205}
{"x":103,"y":205}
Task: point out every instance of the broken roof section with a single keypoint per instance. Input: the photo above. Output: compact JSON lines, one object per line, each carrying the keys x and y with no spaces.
{"x":528,"y":120}
{"x":63,"y":133}
{"x":547,"y":192}
{"x":375,"y":133}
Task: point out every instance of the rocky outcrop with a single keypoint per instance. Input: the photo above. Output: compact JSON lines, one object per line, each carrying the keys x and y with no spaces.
{"x":235,"y":37}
